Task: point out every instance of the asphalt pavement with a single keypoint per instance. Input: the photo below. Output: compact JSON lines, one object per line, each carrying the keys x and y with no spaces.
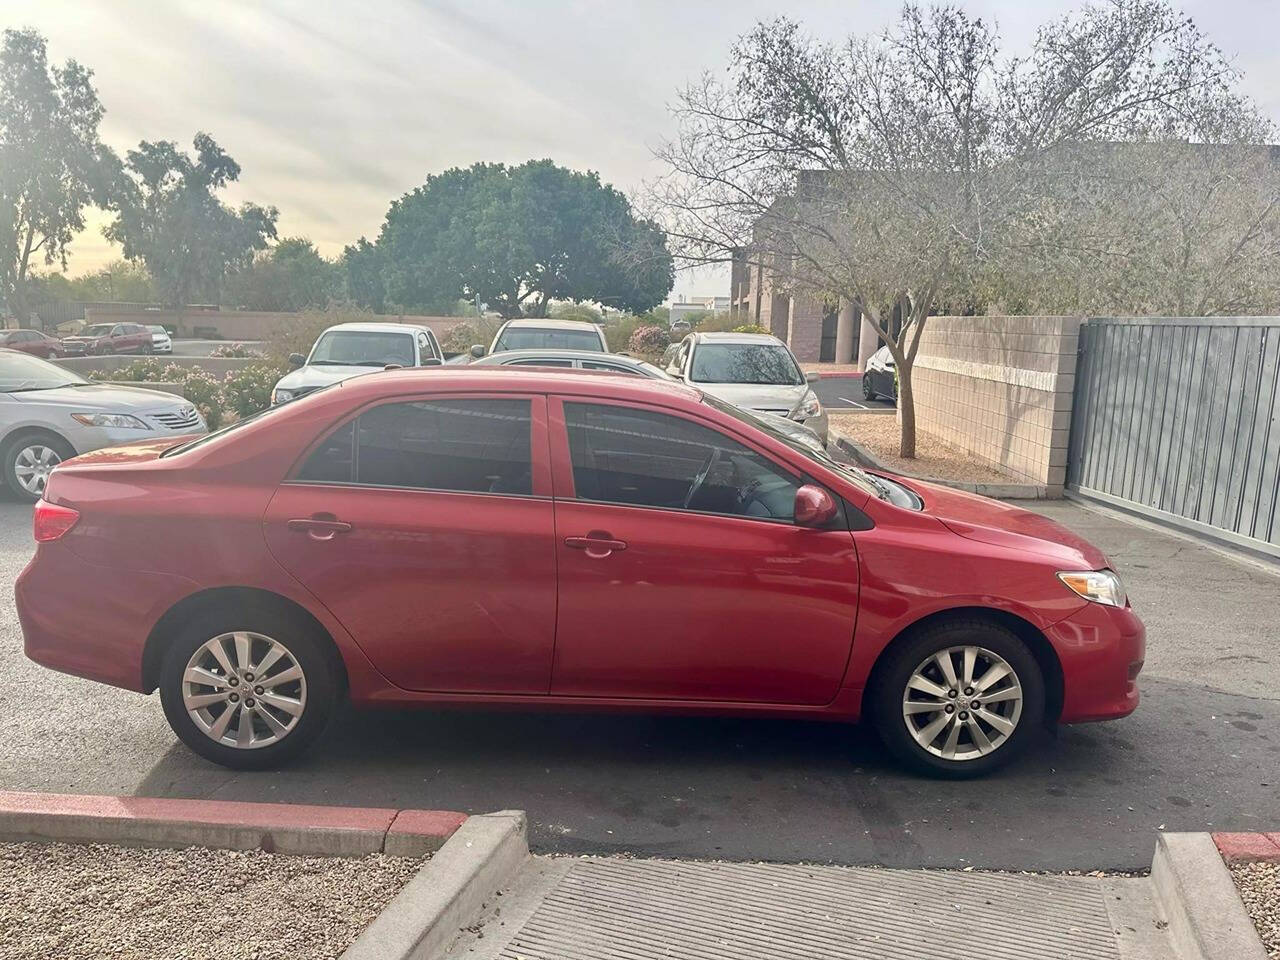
{"x":1201,"y":753}
{"x":844,"y":392}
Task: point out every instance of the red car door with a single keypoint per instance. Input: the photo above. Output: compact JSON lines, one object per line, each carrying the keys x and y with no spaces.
{"x":426,"y":528}
{"x":682,"y":575}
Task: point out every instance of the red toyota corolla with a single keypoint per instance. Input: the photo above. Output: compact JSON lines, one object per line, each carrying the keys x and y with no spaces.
{"x":538,"y":539}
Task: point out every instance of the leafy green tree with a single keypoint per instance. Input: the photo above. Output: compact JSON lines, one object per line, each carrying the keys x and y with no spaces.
{"x":169,"y":217}
{"x":517,"y":238}
{"x":52,"y":164}
{"x":361,"y":268}
{"x":289,"y":276}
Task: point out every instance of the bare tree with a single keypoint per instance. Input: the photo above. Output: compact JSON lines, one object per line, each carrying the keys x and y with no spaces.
{"x":902,"y":170}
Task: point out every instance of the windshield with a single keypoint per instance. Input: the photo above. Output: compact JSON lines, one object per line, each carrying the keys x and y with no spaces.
{"x":745,"y":363}
{"x":534,"y":338}
{"x":363,"y":348}
{"x":856,"y":475}
{"x":97,"y":330}
{"x":21,"y":371}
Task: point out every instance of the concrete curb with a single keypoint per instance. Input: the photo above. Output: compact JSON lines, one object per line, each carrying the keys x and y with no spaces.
{"x":1207,"y":920}
{"x":273,"y":827}
{"x":425,"y":917}
{"x":1000,"y":491}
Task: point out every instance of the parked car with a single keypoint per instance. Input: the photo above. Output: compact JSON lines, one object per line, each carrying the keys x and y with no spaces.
{"x":48,"y":414}
{"x":545,"y":334}
{"x":350,"y":349}
{"x":31,"y":341}
{"x":103,"y":339}
{"x":617,"y":363}
{"x":754,"y":371}
{"x":681,"y":326}
{"x":880,"y":378}
{"x":161,"y":342}
{"x":487,"y":537}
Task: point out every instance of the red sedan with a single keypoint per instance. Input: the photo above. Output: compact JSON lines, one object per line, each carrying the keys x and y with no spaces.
{"x":570,"y":541}
{"x":31,"y":341}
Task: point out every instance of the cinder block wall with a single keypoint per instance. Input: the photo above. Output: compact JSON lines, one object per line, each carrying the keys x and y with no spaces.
{"x":1001,"y":388}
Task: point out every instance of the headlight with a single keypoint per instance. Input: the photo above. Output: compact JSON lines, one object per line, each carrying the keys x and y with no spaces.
{"x":809,"y":407}
{"x":109,"y":420}
{"x":281,"y":396}
{"x":1100,"y":586}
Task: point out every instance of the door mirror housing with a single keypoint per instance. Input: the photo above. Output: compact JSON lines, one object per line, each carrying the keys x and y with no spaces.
{"x":815,"y":507}
{"x":812,"y":376}
{"x":296,"y":360}
{"x":431,"y":361}
{"x":477,"y":350}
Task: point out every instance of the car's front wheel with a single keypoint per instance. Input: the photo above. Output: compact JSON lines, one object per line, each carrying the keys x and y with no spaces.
{"x":250,"y":688}
{"x":958,"y":699}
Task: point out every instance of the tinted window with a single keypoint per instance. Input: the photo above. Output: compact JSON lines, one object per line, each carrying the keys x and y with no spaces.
{"x":610,"y":367}
{"x":650,"y":459}
{"x":531,"y":338}
{"x":539,"y":363}
{"x":478,"y":446}
{"x":744,"y":363}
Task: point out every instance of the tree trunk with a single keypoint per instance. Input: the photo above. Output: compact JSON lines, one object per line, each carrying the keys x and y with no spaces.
{"x":906,"y":413}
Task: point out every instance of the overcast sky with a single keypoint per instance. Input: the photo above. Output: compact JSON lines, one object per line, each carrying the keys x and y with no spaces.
{"x":334,"y":108}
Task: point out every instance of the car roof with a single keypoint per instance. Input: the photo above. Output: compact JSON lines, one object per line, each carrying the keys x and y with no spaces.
{"x":527,"y":379}
{"x":377,"y":327}
{"x":549,"y":324}
{"x":738,"y":338}
{"x":553,"y":353}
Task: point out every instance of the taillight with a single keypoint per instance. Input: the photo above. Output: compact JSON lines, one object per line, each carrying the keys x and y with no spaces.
{"x":51,"y":520}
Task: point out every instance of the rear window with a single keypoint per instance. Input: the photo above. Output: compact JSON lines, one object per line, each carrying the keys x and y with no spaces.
{"x":534,"y":338}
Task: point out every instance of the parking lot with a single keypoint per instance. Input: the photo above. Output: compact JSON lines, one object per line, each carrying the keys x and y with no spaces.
{"x":845,"y":393}
{"x":1202,"y":752}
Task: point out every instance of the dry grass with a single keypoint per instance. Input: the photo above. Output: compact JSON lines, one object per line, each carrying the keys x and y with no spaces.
{"x":879,"y":433}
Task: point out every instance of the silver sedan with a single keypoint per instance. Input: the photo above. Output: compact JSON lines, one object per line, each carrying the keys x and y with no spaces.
{"x":49,"y":414}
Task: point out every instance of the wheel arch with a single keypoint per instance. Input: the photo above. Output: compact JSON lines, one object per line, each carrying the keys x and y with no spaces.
{"x":34,"y":429}
{"x":173,"y":619}
{"x":1026,"y":631}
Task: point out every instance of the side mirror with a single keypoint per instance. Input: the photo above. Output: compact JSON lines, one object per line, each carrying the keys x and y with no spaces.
{"x":477,"y":350}
{"x":812,"y":376}
{"x":296,"y":360}
{"x":432,"y":362}
{"x":814,"y":506}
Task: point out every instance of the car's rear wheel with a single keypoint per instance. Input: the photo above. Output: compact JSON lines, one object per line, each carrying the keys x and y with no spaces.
{"x":28,"y":459}
{"x":249,"y":689}
{"x":958,"y":699}
{"x":867,"y":392}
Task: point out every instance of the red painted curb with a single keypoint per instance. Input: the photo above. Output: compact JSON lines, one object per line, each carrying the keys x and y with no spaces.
{"x":1248,"y":847}
{"x":282,"y":827}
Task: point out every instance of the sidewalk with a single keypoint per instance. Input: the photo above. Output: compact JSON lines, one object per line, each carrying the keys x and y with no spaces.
{"x":596,"y":908}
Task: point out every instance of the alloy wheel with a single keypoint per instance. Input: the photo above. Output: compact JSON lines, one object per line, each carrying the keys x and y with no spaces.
{"x":962,"y":703}
{"x":32,"y":465}
{"x":244,"y":690}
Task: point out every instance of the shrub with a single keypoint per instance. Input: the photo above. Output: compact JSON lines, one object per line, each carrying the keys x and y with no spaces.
{"x":749,"y":328}
{"x":461,"y":338}
{"x":248,"y":391}
{"x":648,"y":341}
{"x":236,"y":350}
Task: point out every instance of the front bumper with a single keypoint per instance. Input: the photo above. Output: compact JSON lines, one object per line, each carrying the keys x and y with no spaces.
{"x":1101,"y":649}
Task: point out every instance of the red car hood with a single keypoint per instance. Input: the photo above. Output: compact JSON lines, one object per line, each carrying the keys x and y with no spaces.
{"x":990,"y":521}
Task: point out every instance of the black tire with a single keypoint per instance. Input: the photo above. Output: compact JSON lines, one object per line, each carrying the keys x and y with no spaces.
{"x":9,"y":456}
{"x":148,"y":349}
{"x":892,"y":675}
{"x":867,"y":392}
{"x":313,"y":652}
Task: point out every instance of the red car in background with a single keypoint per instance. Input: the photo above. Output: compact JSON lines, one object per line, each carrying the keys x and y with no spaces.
{"x":103,"y":339}
{"x":528,"y":538}
{"x":33,"y":342}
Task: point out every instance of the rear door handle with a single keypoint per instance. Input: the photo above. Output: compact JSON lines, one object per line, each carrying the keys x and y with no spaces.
{"x":319,"y":528}
{"x":597,"y":545}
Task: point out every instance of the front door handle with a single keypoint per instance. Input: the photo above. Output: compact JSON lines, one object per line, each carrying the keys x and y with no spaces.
{"x":323,"y":527}
{"x":597,"y":544}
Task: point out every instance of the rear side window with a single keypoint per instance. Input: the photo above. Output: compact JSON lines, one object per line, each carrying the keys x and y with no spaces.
{"x":466,"y":445}
{"x":648,"y":459}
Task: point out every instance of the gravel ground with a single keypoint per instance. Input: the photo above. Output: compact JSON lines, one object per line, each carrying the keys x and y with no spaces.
{"x":1259,"y":885}
{"x":70,"y":902}
{"x":880,"y":433}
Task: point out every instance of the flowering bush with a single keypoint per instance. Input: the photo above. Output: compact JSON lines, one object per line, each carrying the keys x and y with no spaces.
{"x":249,"y":390}
{"x":235,"y":350}
{"x":198,"y":385}
{"x":648,"y":341}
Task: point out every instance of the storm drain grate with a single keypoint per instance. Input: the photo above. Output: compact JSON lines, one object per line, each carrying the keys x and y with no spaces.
{"x":640,"y":909}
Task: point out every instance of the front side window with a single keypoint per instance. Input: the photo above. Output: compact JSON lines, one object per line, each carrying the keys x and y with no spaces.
{"x":644,"y":458}
{"x":745,"y":363}
{"x":467,"y":445}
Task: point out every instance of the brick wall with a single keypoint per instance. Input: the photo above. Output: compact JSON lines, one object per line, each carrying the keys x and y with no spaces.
{"x":804,"y":335}
{"x":1000,"y":388}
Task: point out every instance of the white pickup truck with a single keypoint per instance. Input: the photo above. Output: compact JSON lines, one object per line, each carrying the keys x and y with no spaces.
{"x":350,"y":349}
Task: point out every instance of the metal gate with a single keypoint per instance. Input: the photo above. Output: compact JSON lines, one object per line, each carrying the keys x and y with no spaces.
{"x":1180,"y":419}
